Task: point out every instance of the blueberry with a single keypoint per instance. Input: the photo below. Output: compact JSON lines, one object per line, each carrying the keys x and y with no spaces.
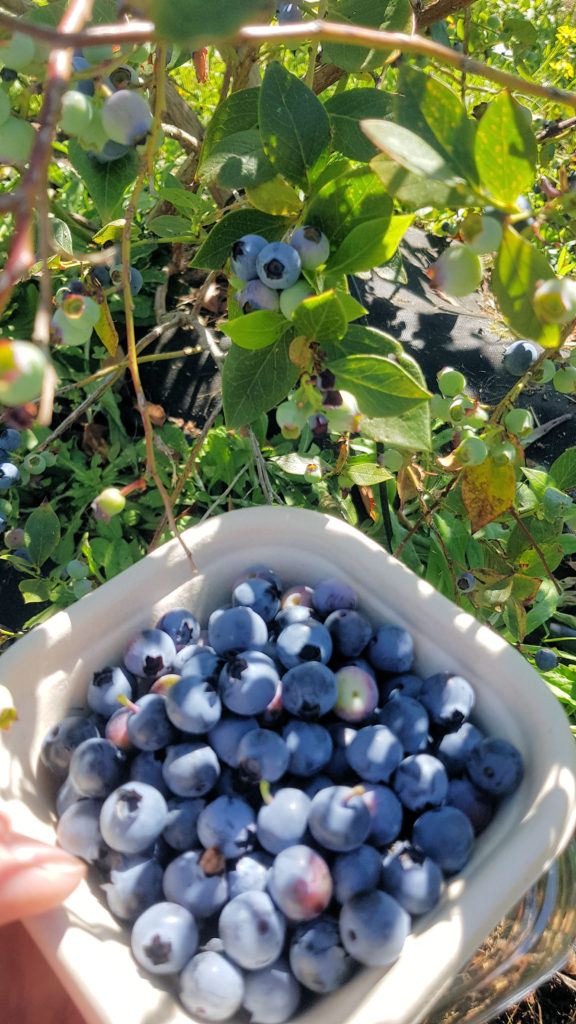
{"x":263,"y":755}
{"x":545,"y":659}
{"x":386,"y":814}
{"x":300,"y":883}
{"x":248,"y":683}
{"x":132,"y":817}
{"x":181,"y":625}
{"x":226,"y":735}
{"x":454,"y":747}
{"x":446,"y":835}
{"x":375,"y":753}
{"x":303,"y":642}
{"x":78,"y":830}
{"x":309,"y":690}
{"x":147,"y":766}
{"x":164,"y":938}
{"x":10,"y":440}
{"x":180,"y":830}
{"x":391,"y":649}
{"x":231,"y":630}
{"x":97,"y":767}
{"x":420,"y":781}
{"x":317,"y":956}
{"x":261,"y":595}
{"x":9,"y":474}
{"x":466,"y":582}
{"x":283,"y":821}
{"x":256,"y":296}
{"x":252,"y":930}
{"x":408,"y":720}
{"x":448,"y":699}
{"x":350,"y":631}
{"x":412,"y":878}
{"x":477,"y":805}
{"x":243,"y":258}
{"x":519,"y":356}
{"x":192,"y":705}
{"x":309,"y":747}
{"x":191,"y":769}
{"x":135,"y":884}
{"x":339,"y":819}
{"x":278,"y":265}
{"x":149,"y":654}
{"x":150,"y":728}
{"x":126,"y":117}
{"x":271,"y":994}
{"x":249,"y":873}
{"x":373,"y":928}
{"x":196,"y":881}
{"x":357,"y":693}
{"x":355,"y":872}
{"x":228,"y":823}
{"x":61,"y":740}
{"x":211,"y":986}
{"x":330,"y":595}
{"x":84,"y":85}
{"x":495,"y":766}
{"x":288,"y":14}
{"x":312,"y":245}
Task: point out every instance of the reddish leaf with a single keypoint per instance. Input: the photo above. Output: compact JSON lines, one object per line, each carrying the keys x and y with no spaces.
{"x":488,"y":490}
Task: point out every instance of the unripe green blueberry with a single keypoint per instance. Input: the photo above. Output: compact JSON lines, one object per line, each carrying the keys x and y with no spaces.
{"x":291,"y":297}
{"x":544,"y":372}
{"x":554,"y":301}
{"x":472,"y":451}
{"x":440,"y":407}
{"x":17,"y":52}
{"x":109,"y":503}
{"x":98,"y":54}
{"x":15,"y":538}
{"x":476,"y":417}
{"x":393,"y":459}
{"x":22,"y":369}
{"x":459,"y":407}
{"x":519,"y":422}
{"x":34,"y":463}
{"x":16,"y":141}
{"x":291,"y":415}
{"x":312,"y":245}
{"x":556,"y":504}
{"x":313,"y":471}
{"x":482,"y":234}
{"x":69,"y":331}
{"x":564,"y":380}
{"x":503,"y":453}
{"x":81,"y":587}
{"x":457,"y":272}
{"x":76,"y":569}
{"x":451,"y":382}
{"x":77,"y":110}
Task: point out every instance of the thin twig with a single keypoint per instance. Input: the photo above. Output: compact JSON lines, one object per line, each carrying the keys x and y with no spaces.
{"x":264,"y":480}
{"x":422,"y":519}
{"x":177,"y":490}
{"x":187,"y":141}
{"x":228,"y":491}
{"x":537,"y":548}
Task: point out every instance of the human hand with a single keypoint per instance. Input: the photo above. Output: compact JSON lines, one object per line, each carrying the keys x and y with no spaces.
{"x":34,"y":877}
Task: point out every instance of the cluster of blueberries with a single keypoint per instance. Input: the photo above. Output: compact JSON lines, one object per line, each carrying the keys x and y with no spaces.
{"x":271,"y":802}
{"x":270,"y":272}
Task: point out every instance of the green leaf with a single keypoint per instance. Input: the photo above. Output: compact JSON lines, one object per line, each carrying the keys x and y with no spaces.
{"x":42,"y":530}
{"x":254,"y":382}
{"x":506,"y":150}
{"x":321,"y":318}
{"x":214,"y":252}
{"x":514,"y":614}
{"x":366,"y":474}
{"x":256,"y":330}
{"x":61,"y":235}
{"x":389,"y":15}
{"x":170,"y":227}
{"x":519,"y":265}
{"x":410,"y":430}
{"x":361,"y":340}
{"x":345,"y":110}
{"x":382,"y":387}
{"x":184,"y":200}
{"x":294,"y":126}
{"x":437,"y":115}
{"x":199,"y":24}
{"x":412,"y":152}
{"x":351,"y":198}
{"x":547,"y":600}
{"x":414,"y":191}
{"x":369,"y":245}
{"x":238,"y":161}
{"x":563,"y":470}
{"x":106,"y":183}
{"x":275,"y":196}
{"x":297,"y":465}
{"x":237,"y":113}
{"x":35,"y":591}
{"x":352,"y":308}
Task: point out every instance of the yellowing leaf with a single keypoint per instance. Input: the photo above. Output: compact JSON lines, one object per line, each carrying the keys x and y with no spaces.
{"x":487,"y":491}
{"x":276,"y":197}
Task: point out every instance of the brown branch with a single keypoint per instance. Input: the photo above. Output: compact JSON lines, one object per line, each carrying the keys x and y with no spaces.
{"x":558,"y":128}
{"x":21,"y":255}
{"x":440,"y":9}
{"x":99,"y":35}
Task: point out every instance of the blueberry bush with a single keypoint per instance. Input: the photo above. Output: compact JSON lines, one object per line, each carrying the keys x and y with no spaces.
{"x":226,"y":170}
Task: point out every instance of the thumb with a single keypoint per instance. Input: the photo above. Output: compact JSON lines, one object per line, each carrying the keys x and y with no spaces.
{"x":34,"y":877}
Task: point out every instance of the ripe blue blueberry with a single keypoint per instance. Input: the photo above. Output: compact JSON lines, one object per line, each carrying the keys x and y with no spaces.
{"x":545,"y":659}
{"x":283,"y":821}
{"x":386,"y":814}
{"x":448,"y":699}
{"x":373,"y":928}
{"x":477,"y":805}
{"x":243,"y":258}
{"x":519,"y":357}
{"x":191,"y":769}
{"x":374,"y":753}
{"x":197,"y":882}
{"x":420,"y":781}
{"x":252,"y":930}
{"x":256,"y":296}
{"x":164,"y":938}
{"x":10,"y":440}
{"x":300,"y":882}
{"x":391,"y":649}
{"x":211,"y":987}
{"x":61,"y":740}
{"x":248,"y":682}
{"x":339,"y":819}
{"x":132,"y":817}
{"x":412,"y":878}
{"x":193,"y":705}
{"x":408,"y":720}
{"x":9,"y":474}
{"x":278,"y":265}
{"x":355,"y":872}
{"x":288,"y":14}
{"x":97,"y":767}
{"x":228,"y":823}
{"x":317,"y":956}
{"x":446,"y":835}
{"x":149,"y":727}
{"x":309,"y":690}
{"x":271,"y":994}
{"x":309,"y":746}
{"x":496,"y":766}
{"x":149,"y":654}
{"x":135,"y":883}
{"x":231,"y":630}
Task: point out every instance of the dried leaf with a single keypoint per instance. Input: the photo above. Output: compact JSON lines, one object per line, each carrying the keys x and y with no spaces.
{"x":488,"y":491}
{"x":93,"y":442}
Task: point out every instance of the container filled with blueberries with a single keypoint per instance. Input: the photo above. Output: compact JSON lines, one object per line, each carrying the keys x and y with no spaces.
{"x":304,"y":782}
